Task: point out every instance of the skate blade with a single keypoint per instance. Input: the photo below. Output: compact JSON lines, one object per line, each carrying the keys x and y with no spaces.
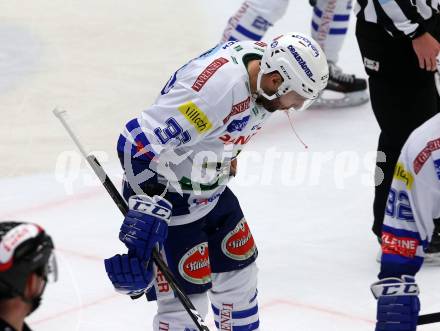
{"x":334,"y":100}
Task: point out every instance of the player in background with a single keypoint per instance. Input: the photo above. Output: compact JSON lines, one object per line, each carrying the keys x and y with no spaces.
{"x":413,"y":203}
{"x":27,"y":263}
{"x":399,"y":42}
{"x":329,"y":26}
{"x":185,"y":147}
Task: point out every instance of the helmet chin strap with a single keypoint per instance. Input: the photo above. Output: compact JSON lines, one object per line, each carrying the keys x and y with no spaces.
{"x":260,"y":90}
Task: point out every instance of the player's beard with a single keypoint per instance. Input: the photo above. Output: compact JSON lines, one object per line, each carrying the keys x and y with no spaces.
{"x":269,"y":105}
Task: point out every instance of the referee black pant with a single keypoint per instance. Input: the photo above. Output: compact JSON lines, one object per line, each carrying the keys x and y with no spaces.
{"x":403,"y":96}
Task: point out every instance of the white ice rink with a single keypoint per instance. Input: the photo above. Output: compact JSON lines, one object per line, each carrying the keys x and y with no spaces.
{"x":104,"y":61}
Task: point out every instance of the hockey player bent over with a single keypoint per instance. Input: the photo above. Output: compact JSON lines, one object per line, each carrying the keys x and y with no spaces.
{"x":329,"y":27}
{"x":184,"y":145}
{"x":413,"y":203}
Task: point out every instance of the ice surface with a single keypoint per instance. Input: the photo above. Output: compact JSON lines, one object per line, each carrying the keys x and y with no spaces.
{"x":104,"y":61}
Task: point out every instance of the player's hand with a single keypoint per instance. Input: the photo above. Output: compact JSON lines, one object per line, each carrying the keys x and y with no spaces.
{"x":398,"y":304}
{"x":146,"y":225}
{"x":426,"y":48}
{"x":129,"y":275}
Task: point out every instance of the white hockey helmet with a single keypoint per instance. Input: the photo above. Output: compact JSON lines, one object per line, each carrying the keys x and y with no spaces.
{"x":301,"y":63}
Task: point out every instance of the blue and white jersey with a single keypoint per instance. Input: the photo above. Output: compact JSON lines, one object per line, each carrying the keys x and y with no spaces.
{"x":413,"y":202}
{"x":198,"y":124}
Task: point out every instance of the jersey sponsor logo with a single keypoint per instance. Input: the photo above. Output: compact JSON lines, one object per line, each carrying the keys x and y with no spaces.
{"x":14,"y":238}
{"x":404,"y":246}
{"x":241,"y":140}
{"x":405,"y":176}
{"x":194,"y":266}
{"x":437,"y":167}
{"x":195,"y":116}
{"x":205,"y":201}
{"x":238,"y":125}
{"x":239,"y":244}
{"x":225,"y":315}
{"x":425,"y":154}
{"x":238,"y":108}
{"x":209,"y":71}
{"x":301,"y":62}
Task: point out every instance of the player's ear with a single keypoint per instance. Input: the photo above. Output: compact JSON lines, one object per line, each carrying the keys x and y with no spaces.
{"x":275,"y":79}
{"x":34,"y":284}
{"x":31,"y":285}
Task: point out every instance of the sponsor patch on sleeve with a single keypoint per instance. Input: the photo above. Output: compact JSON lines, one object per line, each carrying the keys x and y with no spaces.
{"x":195,"y":116}
{"x":404,"y":246}
{"x":425,"y":154}
{"x":405,"y":176}
{"x":208,"y":72}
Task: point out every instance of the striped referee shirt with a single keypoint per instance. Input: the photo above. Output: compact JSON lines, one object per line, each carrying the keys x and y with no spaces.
{"x":401,"y":18}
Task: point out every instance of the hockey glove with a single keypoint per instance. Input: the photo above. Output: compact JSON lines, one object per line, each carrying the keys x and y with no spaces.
{"x":128,"y":275}
{"x":146,"y":225}
{"x":398,"y":304}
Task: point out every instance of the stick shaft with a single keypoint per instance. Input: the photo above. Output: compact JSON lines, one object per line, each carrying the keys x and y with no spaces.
{"x":60,"y":115}
{"x":428,"y":319}
{"x":123,"y":207}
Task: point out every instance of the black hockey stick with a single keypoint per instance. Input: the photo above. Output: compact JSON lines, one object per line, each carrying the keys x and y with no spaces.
{"x":123,"y":207}
{"x":428,"y":319}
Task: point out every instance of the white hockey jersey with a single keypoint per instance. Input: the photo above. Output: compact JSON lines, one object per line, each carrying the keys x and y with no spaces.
{"x":199,"y":123}
{"x":413,"y":202}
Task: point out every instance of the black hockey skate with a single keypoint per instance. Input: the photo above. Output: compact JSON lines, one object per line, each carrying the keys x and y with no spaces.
{"x":343,"y":90}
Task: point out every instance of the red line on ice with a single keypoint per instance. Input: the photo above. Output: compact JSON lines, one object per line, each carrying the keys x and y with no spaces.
{"x":54,"y":203}
{"x":75,"y":309}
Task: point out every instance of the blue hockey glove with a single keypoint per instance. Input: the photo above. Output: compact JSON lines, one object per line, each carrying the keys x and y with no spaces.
{"x":398,"y":304}
{"x":128,"y":275}
{"x":146,"y":225}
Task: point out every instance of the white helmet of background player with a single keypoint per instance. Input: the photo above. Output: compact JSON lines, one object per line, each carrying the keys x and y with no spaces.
{"x":301,"y":63}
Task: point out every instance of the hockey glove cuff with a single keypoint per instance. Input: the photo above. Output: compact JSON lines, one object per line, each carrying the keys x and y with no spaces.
{"x":398,"y":304}
{"x":146,"y":225}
